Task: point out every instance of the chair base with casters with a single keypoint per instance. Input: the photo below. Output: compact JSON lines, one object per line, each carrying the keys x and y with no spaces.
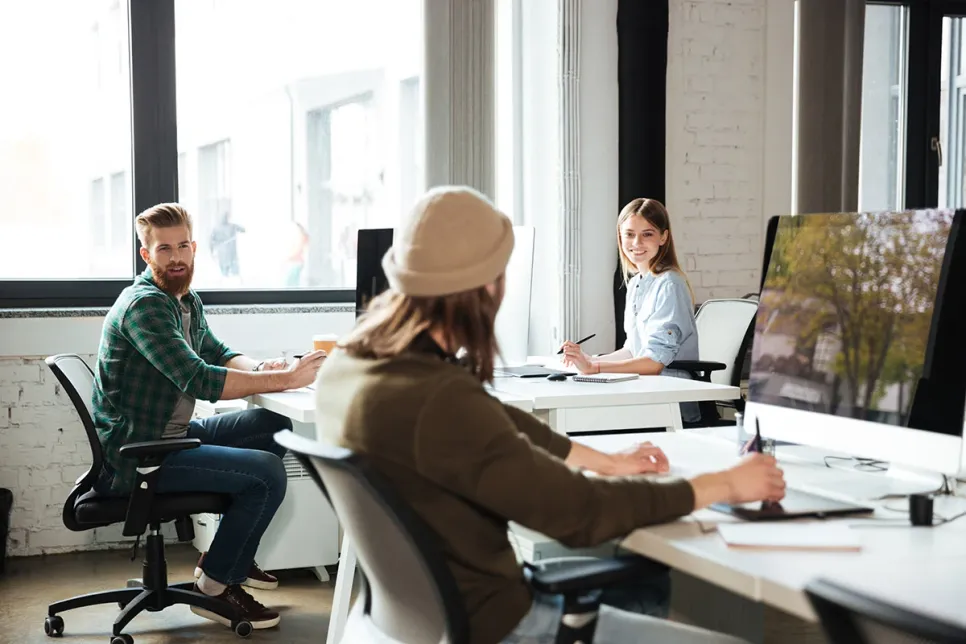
{"x":153,"y":594}
{"x":142,"y":511}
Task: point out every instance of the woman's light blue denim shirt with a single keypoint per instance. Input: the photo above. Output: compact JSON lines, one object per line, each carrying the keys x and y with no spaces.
{"x":660,"y":325}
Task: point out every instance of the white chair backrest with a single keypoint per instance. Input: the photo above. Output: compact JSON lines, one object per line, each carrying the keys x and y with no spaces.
{"x":722,"y":325}
{"x":80,"y":377}
{"x":405,"y":601}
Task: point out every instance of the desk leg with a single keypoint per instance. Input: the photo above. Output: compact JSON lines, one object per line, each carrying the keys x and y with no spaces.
{"x":342,"y":599}
{"x":321,"y":573}
{"x":676,"y":423}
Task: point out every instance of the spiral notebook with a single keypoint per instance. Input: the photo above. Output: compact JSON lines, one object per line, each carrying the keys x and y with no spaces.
{"x":606,"y":377}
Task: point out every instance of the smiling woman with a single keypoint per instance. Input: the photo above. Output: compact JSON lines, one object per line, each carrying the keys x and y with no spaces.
{"x":659,"y":313}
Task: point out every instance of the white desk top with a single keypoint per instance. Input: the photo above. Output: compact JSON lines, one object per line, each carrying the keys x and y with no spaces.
{"x":930,"y":563}
{"x":299,"y":404}
{"x":646,"y":390}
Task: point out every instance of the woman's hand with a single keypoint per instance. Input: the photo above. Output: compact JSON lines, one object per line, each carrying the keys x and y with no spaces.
{"x":574,"y":356}
{"x":644,"y":458}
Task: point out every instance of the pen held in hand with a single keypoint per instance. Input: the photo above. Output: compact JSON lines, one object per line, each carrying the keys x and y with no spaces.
{"x":592,"y":335}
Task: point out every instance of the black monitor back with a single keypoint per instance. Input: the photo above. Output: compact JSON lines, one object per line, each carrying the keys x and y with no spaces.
{"x":373,"y":243}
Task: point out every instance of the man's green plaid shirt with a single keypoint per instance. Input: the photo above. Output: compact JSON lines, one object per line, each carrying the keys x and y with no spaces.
{"x":144,"y":364}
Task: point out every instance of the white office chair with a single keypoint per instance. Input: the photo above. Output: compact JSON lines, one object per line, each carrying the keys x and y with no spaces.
{"x":725,"y":329}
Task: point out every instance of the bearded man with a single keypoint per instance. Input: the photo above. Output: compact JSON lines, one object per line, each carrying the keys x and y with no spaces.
{"x":157,"y":356}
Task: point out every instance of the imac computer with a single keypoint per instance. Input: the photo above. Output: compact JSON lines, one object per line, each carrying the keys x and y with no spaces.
{"x":860,"y":337}
{"x":513,"y":320}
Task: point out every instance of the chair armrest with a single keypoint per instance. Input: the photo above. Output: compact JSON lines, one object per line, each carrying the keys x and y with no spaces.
{"x":697,"y":365}
{"x":150,"y":455}
{"x":699,"y":369}
{"x":159,"y":449}
{"x":595,"y":574}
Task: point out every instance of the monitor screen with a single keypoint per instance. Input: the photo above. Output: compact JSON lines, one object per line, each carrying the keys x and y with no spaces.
{"x":860,"y":317}
{"x":373,"y":243}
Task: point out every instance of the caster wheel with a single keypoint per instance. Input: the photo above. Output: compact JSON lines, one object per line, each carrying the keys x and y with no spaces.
{"x":54,"y":626}
{"x":243,"y":629}
{"x":123,"y":638}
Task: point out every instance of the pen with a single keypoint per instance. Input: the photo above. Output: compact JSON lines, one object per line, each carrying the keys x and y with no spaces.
{"x":757,"y":436}
{"x":580,"y":341}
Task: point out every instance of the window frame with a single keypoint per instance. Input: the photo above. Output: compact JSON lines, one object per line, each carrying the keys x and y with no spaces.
{"x":923,"y":96}
{"x":154,"y":172}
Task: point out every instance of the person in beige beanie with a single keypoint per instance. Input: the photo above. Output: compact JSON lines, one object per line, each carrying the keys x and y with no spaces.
{"x":395,"y":393}
{"x":455,"y":240}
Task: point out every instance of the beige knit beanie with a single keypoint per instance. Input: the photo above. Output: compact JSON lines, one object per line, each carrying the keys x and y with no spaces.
{"x":454,"y":240}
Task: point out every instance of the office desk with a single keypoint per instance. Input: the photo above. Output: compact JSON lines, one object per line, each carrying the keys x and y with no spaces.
{"x":648,"y":402}
{"x":299,"y":404}
{"x":918,"y":557}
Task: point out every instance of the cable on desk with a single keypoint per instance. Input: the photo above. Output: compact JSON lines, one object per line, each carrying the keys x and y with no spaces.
{"x":861,"y":464}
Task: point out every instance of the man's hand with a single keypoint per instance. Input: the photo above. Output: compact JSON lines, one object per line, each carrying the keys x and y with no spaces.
{"x":302,"y":372}
{"x":644,"y":458}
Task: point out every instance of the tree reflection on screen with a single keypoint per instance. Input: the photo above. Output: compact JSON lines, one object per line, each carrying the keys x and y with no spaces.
{"x":846,"y":312}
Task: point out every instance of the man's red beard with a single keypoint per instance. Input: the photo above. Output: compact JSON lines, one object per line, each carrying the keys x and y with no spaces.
{"x":173,"y":284}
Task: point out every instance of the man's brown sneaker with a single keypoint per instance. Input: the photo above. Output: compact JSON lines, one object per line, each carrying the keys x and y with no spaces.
{"x":248,"y":608}
{"x":257,"y":578}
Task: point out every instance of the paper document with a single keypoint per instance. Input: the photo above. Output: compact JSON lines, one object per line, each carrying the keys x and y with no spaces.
{"x":791,"y":536}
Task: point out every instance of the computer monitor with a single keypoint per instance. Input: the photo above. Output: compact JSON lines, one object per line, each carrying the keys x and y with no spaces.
{"x":371,"y":244}
{"x":513,"y":320}
{"x":859,"y":344}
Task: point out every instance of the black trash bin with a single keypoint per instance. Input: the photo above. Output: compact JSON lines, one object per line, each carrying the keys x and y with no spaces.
{"x":6,"y":505}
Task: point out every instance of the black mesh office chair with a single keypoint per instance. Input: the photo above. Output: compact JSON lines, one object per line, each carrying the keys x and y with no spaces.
{"x":849,"y":617}
{"x":408,"y":592}
{"x":143,"y":510}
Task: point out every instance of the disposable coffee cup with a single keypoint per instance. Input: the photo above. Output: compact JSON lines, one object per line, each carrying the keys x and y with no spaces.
{"x":324,"y":342}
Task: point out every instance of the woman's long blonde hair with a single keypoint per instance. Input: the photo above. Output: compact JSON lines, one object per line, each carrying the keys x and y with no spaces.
{"x":393,"y":321}
{"x":654,"y":213}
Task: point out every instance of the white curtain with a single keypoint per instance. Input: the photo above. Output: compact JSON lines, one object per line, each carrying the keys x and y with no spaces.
{"x":830,"y":42}
{"x":460,"y":118}
{"x":568,"y":83}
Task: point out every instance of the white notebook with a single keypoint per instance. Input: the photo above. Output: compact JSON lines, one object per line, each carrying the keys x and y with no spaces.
{"x":605,"y":377}
{"x":790,"y":536}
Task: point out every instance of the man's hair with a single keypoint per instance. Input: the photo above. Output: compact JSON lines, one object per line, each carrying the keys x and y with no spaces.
{"x":163,"y":215}
{"x":393,"y":321}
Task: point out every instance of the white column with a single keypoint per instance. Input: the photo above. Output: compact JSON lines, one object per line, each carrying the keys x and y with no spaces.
{"x":460,"y":116}
{"x":568,"y":127}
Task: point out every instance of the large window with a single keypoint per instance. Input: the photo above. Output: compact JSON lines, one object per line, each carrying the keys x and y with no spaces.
{"x":65,"y":141}
{"x":883,"y":107}
{"x":914,"y":105}
{"x":952,"y":115}
{"x":291,"y":141}
{"x":283,"y":127}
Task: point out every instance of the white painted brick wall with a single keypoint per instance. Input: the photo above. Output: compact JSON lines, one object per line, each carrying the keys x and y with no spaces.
{"x":716,"y":111}
{"x":43,"y":450}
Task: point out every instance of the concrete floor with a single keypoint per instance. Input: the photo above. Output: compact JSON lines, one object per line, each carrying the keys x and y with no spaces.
{"x":31,"y":583}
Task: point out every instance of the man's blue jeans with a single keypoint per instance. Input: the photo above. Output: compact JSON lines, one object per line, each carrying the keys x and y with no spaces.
{"x":239,"y":457}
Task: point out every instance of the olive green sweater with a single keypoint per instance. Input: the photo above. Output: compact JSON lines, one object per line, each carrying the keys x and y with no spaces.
{"x":467,"y":464}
